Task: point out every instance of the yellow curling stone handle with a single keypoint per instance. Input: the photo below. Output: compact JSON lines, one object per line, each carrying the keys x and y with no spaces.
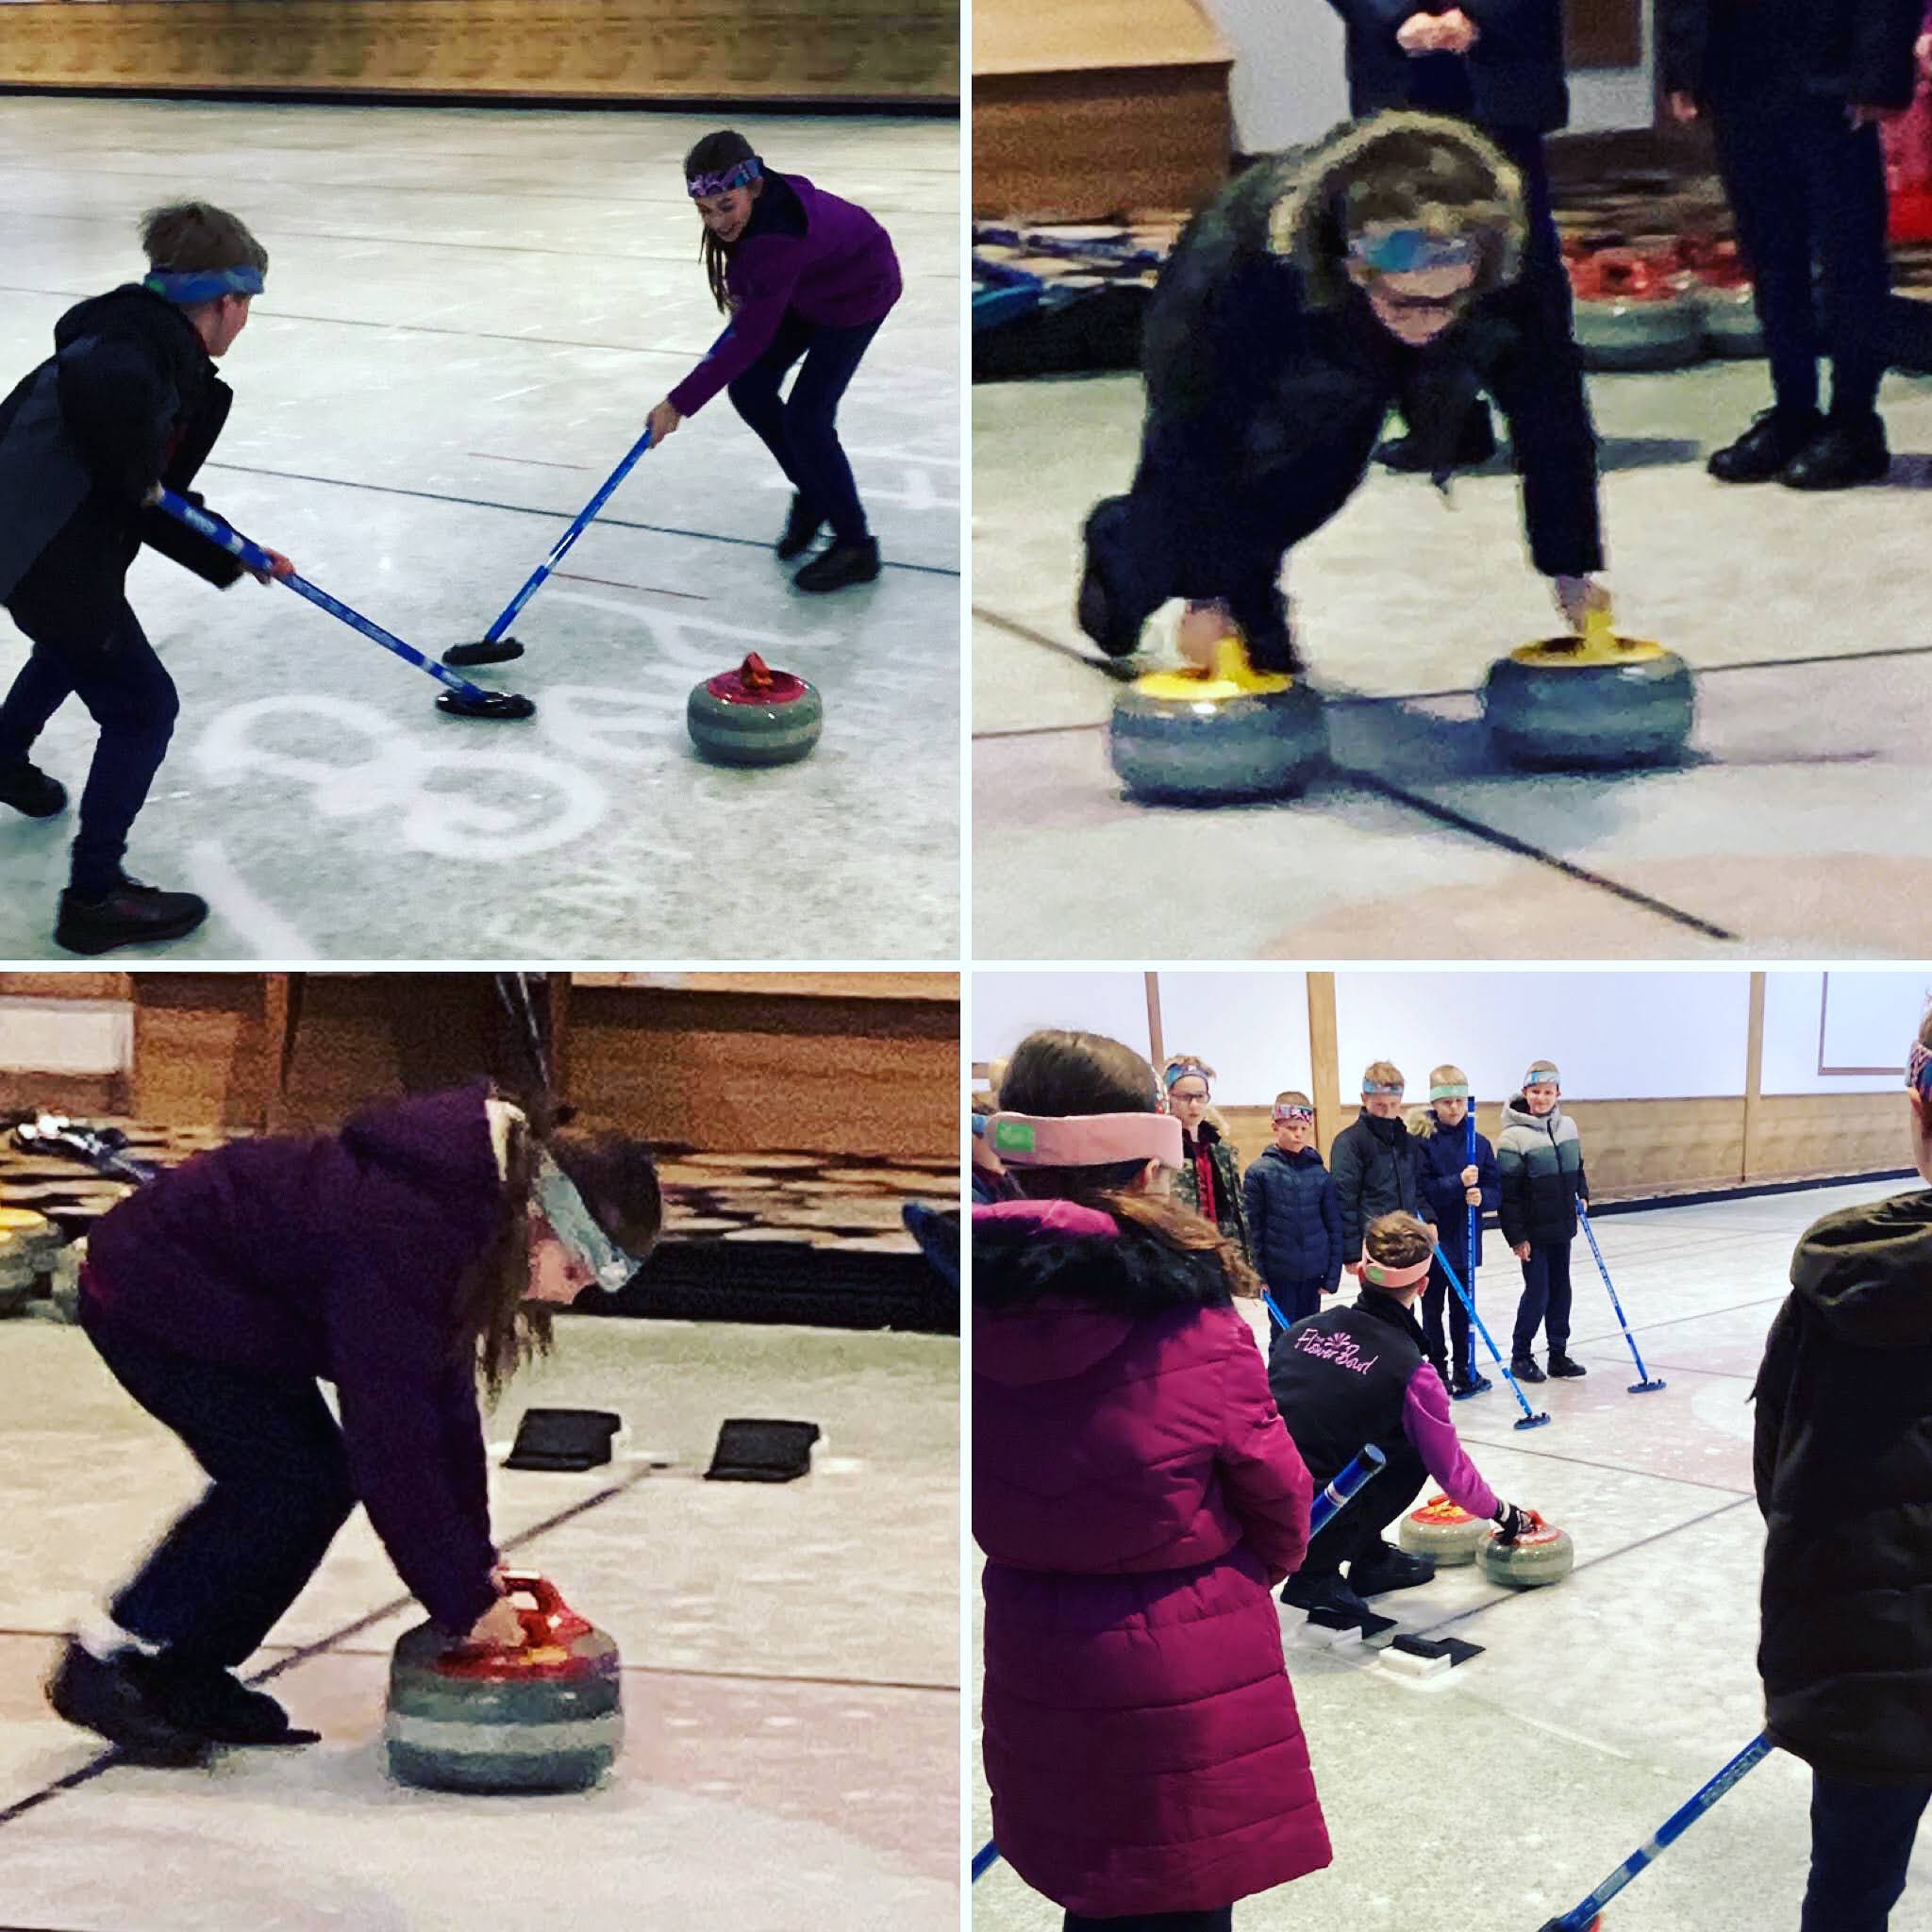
{"x":1599,"y":645}
{"x":1232,"y":676}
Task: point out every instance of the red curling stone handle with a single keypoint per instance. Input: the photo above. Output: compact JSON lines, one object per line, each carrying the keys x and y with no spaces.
{"x":553,"y":1620}
{"x":755,"y":683}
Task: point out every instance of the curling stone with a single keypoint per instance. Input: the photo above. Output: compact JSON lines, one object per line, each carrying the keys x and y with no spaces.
{"x":1441,"y":1530}
{"x":1731,"y":326}
{"x":1597,"y":700}
{"x":754,"y":716}
{"x":545,"y":1717}
{"x":1231,"y":732}
{"x":1544,"y":1556}
{"x":1629,"y":315}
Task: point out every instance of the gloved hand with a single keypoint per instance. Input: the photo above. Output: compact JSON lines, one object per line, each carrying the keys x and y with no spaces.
{"x":1513,"y":1522}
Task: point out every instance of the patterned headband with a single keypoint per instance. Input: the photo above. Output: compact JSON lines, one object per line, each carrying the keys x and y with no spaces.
{"x":1401,"y":251}
{"x":1460,"y":1092}
{"x":1293,"y":1112}
{"x":1919,"y":1069}
{"x":1178,"y":1071}
{"x":191,"y":288}
{"x":740,"y":174}
{"x":1381,"y":1087}
{"x":1542,"y":1073}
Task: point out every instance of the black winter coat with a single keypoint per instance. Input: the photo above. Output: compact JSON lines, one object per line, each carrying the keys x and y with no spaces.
{"x":1844,"y":1474}
{"x":1764,"y":51}
{"x":1377,"y":1171}
{"x":1513,"y":74}
{"x":1294,"y":1221}
{"x":1265,"y":405}
{"x":1442,"y":1156}
{"x":128,"y":399}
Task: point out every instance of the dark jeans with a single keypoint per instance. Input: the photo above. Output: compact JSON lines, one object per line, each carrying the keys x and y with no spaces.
{"x":1296,"y":1300}
{"x":1861,"y":1845}
{"x":1439,"y":1291}
{"x":279,"y":1490}
{"x":801,"y":431}
{"x":1545,"y":1298}
{"x":1221,"y":1919}
{"x":1355,"y":1531}
{"x":1803,"y":183}
{"x":108,"y":664}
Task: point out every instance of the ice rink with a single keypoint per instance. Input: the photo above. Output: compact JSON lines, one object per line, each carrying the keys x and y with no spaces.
{"x":1499,"y":1795}
{"x":470,"y":313}
{"x":1789,"y":830}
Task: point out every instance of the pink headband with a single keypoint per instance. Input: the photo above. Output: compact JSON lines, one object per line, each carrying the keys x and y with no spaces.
{"x":1293,"y":1113}
{"x":1092,"y":1140}
{"x":1393,"y":1277}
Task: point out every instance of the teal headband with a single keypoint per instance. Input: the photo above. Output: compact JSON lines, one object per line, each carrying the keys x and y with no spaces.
{"x":578,"y":1229}
{"x":1380,"y":1086}
{"x":191,"y":288}
{"x":1449,"y":1092}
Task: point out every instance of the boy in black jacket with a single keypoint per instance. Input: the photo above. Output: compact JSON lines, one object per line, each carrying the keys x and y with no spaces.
{"x":1459,"y":1179}
{"x":1842,"y":1465}
{"x":1374,"y":1162}
{"x":1323,"y":287}
{"x":128,"y":401}
{"x":1294,"y":1222}
{"x":1794,"y":90}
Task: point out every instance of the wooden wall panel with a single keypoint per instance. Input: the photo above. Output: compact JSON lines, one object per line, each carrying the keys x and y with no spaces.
{"x":857,"y":51}
{"x":200,"y":1049}
{"x":67,"y":986}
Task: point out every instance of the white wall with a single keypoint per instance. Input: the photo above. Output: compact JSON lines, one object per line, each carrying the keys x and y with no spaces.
{"x":1006,"y":1006}
{"x":1868,"y":1019}
{"x":1287,"y":84}
{"x":1251,"y":1027}
{"x":66,"y":1036}
{"x":1615,"y":1036}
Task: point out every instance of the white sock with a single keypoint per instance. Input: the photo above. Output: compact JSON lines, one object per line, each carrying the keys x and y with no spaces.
{"x":105,"y":1640}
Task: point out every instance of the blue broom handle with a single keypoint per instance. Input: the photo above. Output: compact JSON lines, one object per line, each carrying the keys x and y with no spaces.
{"x":1469,"y":1302}
{"x":231,"y":539}
{"x":1590,"y":1233}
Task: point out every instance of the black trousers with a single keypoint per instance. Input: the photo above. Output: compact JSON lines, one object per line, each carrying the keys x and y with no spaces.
{"x":1221,"y":1919}
{"x":1803,"y":184}
{"x":97,"y":652}
{"x":1463,"y":1360}
{"x":1861,"y":1846}
{"x":802,"y":430}
{"x":1357,"y":1530}
{"x":1545,"y":1298}
{"x":278,"y":1491}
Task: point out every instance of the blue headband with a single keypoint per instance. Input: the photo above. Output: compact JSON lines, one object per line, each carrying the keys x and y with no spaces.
{"x":578,"y":1229}
{"x":741,"y":175}
{"x":1404,"y":251}
{"x":194,"y":287}
{"x":1919,"y":1069}
{"x":1381,"y":1087}
{"x":1178,"y":1073}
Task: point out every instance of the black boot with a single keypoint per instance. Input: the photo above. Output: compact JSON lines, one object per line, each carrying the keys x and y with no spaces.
{"x":1762,"y":452}
{"x":1847,"y":451}
{"x":1562,"y":1367}
{"x":29,"y":790}
{"x":1526,"y":1369}
{"x":130,"y":915}
{"x":1386,"y":1568}
{"x":113,"y":1701}
{"x":801,"y":528}
{"x":1475,"y":447}
{"x":1324,"y":1591}
{"x":211,"y":1703}
{"x":841,"y":566}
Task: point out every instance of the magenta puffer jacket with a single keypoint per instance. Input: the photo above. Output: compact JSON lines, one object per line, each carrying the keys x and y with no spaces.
{"x":1137,"y":1497}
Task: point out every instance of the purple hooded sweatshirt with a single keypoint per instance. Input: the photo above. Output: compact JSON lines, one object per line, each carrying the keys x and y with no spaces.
{"x":841,"y":273}
{"x":339,"y":1257}
{"x":1137,"y":1497}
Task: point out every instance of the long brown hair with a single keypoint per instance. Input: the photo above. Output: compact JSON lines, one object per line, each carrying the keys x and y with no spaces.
{"x":496,"y":1322}
{"x":1058,"y":1074}
{"x":714,"y":155}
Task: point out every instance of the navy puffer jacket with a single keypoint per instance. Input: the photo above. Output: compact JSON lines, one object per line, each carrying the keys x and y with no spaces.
{"x":1442,"y":1154}
{"x":1294,"y":1221}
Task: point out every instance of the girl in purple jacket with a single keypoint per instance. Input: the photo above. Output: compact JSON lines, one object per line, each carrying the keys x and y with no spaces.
{"x":402,"y":1258}
{"x":1137,"y":1497}
{"x":803,"y":274}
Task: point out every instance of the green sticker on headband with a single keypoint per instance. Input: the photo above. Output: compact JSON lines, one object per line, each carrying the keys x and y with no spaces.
{"x":1013,"y":1137}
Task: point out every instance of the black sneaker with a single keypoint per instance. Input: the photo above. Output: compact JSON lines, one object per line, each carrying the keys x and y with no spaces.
{"x":113,"y":1700}
{"x":29,"y":790}
{"x":1475,"y":447}
{"x":801,"y":528}
{"x":841,"y":566}
{"x":1325,"y":1592}
{"x":1481,"y":1385}
{"x":131,"y":915}
{"x":1386,"y":1568}
{"x":212,"y":1703}
{"x":1526,"y":1371}
{"x":1461,"y":1389}
{"x":1563,"y":1368}
{"x":1761,"y":453}
{"x":1847,"y":451}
